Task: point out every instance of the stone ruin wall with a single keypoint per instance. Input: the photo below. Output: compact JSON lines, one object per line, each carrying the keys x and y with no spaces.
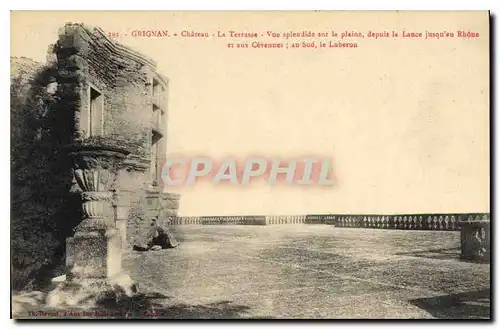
{"x":86,"y":59}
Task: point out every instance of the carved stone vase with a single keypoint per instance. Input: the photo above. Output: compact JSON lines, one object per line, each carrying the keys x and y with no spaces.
{"x":94,"y":253}
{"x":96,"y":171}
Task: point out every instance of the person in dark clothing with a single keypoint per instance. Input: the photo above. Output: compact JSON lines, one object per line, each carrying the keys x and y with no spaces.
{"x":160,"y":236}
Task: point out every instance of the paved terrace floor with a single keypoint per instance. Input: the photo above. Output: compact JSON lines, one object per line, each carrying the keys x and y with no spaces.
{"x":309,"y":271}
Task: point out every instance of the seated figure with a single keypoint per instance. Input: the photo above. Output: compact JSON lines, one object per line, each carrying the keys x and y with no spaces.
{"x":158,"y":236}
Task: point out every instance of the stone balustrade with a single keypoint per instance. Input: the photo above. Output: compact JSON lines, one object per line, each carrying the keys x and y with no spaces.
{"x":436,"y":222}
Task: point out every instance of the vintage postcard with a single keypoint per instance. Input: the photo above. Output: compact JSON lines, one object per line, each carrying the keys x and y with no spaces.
{"x":250,"y":165}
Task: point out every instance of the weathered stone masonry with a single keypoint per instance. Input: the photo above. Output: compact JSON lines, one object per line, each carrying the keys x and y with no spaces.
{"x":115,"y":91}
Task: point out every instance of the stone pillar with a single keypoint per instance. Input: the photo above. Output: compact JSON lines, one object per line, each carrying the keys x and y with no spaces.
{"x":169,"y":205}
{"x":122,"y":210}
{"x":153,"y":203}
{"x":475,"y":239}
{"x":130,"y":193}
{"x":94,"y":253}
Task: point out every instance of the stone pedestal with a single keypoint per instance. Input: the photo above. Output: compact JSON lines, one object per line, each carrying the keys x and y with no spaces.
{"x":475,"y":240}
{"x":96,"y":257}
{"x":122,"y":210}
{"x":121,"y":226}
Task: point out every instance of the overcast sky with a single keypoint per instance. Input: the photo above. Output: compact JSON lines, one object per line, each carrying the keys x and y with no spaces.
{"x":405,"y":122}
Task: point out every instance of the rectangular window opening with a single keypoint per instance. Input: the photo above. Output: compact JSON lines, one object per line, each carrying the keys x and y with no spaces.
{"x":96,"y":113}
{"x":155,"y":157}
{"x":157,"y":93}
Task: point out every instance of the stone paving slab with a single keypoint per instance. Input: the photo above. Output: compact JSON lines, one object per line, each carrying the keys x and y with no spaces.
{"x":309,"y":271}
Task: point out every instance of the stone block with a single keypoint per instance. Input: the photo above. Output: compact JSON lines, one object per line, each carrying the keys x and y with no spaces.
{"x":475,"y":240}
{"x":93,"y":256}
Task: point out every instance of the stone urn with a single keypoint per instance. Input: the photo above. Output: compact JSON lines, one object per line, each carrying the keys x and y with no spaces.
{"x":94,"y":252}
{"x":96,"y":167}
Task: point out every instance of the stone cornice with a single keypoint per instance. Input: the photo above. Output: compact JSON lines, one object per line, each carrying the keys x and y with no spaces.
{"x":119,"y":49}
{"x":130,"y":53}
{"x":125,"y":50}
{"x":136,"y":163}
{"x":162,"y":79}
{"x":97,"y":35}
